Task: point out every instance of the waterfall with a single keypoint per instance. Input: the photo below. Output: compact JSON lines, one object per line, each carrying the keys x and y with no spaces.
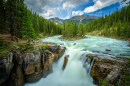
{"x":76,"y":72}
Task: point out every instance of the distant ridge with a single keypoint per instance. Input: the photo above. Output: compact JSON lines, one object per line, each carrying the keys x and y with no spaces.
{"x":79,"y":19}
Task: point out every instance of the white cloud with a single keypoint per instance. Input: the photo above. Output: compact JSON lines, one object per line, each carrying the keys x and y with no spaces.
{"x":72,"y":3}
{"x":44,"y":7}
{"x":67,"y":5}
{"x":74,"y":13}
{"x":99,"y":4}
{"x":58,"y":8}
{"x":49,"y":13}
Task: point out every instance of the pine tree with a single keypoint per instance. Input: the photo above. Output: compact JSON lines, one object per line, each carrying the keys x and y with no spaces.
{"x":2,"y":16}
{"x":52,"y":32}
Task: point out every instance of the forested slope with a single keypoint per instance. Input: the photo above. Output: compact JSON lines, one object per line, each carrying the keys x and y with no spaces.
{"x":116,"y":25}
{"x":17,"y":19}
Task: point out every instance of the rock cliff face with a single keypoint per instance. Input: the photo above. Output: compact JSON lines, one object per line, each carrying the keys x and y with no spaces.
{"x":6,"y":65}
{"x":18,"y":68}
{"x":106,"y":68}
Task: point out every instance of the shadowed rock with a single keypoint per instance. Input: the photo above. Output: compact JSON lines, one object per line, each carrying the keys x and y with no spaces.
{"x":65,"y":60}
{"x":106,"y":68}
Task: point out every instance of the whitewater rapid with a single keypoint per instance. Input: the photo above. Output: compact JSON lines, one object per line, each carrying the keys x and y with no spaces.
{"x":77,"y":70}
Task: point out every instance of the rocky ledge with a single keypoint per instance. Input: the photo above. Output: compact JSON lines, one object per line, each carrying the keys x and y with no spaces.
{"x":107,"y":68}
{"x":103,"y":68}
{"x":18,"y":68}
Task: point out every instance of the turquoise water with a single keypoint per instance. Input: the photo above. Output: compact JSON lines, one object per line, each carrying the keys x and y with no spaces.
{"x":75,"y":74}
{"x":96,"y":44}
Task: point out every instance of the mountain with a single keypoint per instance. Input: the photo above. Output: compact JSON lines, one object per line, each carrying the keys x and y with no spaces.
{"x":56,"y":19}
{"x":79,"y":19}
{"x":83,"y":17}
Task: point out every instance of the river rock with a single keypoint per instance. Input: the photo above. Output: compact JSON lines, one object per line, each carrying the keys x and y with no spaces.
{"x":65,"y":60}
{"x":128,"y":45}
{"x":91,"y":56}
{"x":106,"y":68}
{"x":74,"y":44}
{"x":108,"y":50}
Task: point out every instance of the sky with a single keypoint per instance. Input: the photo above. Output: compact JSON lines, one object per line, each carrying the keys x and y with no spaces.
{"x":66,"y":9}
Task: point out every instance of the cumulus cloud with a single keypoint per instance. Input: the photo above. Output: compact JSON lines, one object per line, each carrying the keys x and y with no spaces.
{"x":49,"y":13}
{"x":72,"y":3}
{"x":99,"y":4}
{"x":43,"y":7}
{"x":75,"y":2}
{"x":52,"y":8}
{"x":74,"y":13}
{"x":64,"y":8}
{"x":67,"y":5}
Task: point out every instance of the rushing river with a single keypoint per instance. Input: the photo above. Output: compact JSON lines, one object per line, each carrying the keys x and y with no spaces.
{"x":77,"y":71}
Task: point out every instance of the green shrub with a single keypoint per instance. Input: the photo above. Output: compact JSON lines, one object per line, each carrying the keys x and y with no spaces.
{"x":125,"y":76}
{"x":46,"y":46}
{"x":4,"y":47}
{"x":103,"y":82}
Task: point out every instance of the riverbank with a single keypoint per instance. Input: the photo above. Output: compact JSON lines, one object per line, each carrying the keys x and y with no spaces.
{"x":97,"y":33}
{"x":6,"y":45}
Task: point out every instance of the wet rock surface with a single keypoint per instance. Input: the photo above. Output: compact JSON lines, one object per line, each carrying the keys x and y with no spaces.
{"x":108,"y":50}
{"x":18,"y":68}
{"x":106,"y":68}
{"x":65,"y":60}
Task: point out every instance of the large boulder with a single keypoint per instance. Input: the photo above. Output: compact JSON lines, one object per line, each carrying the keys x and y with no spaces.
{"x":106,"y":68}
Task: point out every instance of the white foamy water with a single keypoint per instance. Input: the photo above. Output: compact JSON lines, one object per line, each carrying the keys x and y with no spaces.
{"x":77,"y":71}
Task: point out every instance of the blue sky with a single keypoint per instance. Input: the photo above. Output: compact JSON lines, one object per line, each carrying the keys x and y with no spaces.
{"x":65,"y":9}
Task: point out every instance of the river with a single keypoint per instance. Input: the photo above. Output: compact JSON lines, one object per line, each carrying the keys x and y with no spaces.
{"x":77,"y":71}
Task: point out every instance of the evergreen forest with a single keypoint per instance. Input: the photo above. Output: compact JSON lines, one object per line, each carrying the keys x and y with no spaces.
{"x":115,"y":25}
{"x":21,"y":22}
